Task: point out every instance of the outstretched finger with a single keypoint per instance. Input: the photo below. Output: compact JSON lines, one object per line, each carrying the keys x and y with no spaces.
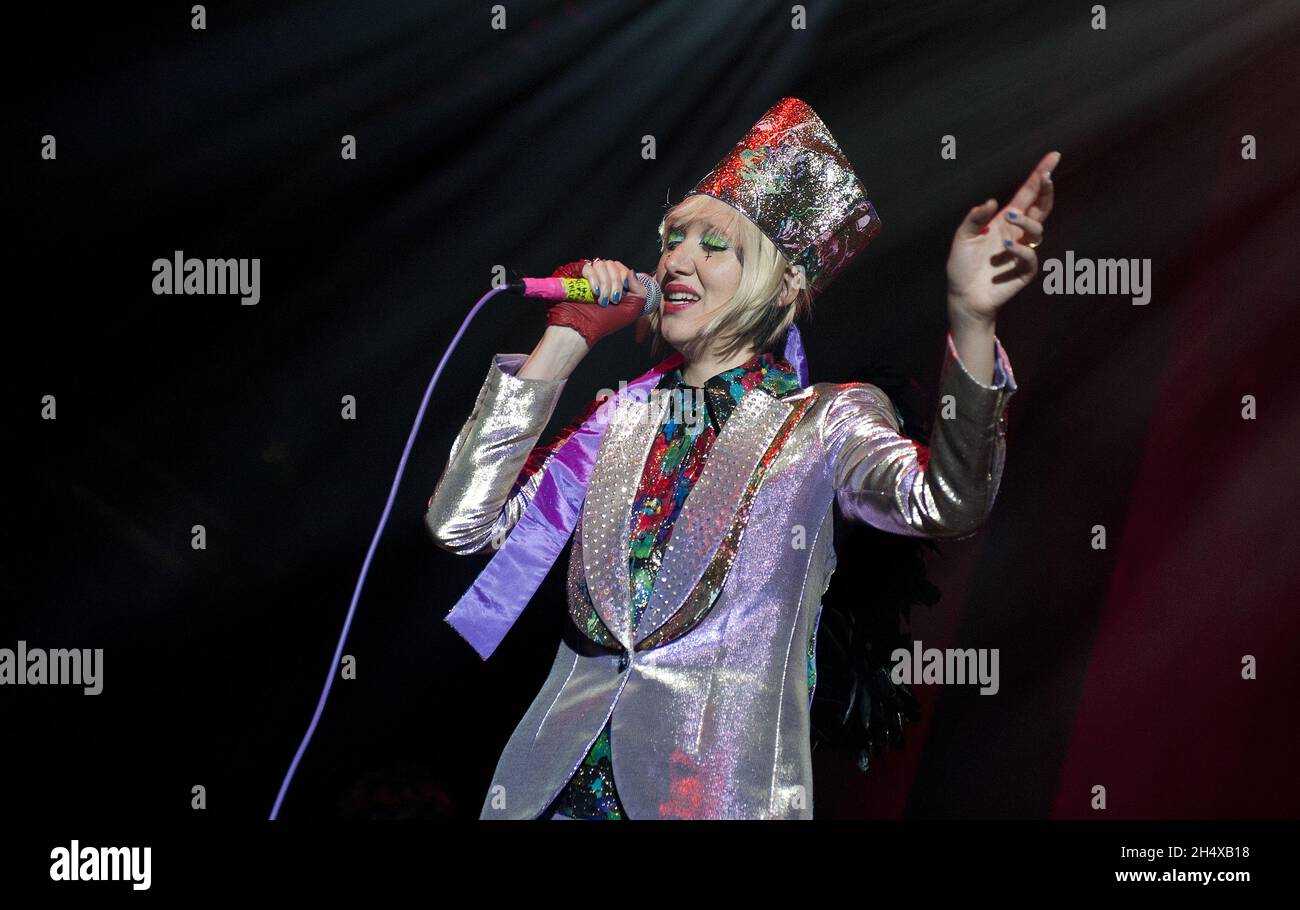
{"x":1036,"y":191}
{"x":1045,"y":194}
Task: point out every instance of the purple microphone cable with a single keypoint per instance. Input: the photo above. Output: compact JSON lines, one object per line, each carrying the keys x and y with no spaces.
{"x":652,"y":301}
{"x":365,"y":566}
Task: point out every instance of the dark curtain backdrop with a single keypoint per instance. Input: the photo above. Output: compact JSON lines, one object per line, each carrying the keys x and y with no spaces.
{"x":522,"y":149}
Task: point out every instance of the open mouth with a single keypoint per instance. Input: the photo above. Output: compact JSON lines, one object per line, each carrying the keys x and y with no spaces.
{"x":677,"y":300}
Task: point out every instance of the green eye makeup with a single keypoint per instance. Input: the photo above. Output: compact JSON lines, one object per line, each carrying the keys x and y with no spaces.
{"x":715,"y":241}
{"x":711,"y":240}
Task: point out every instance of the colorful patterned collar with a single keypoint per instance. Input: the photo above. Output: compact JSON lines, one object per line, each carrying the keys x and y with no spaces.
{"x":723,"y":391}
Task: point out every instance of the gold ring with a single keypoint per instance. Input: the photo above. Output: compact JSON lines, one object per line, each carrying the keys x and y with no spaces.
{"x":1035,"y":245}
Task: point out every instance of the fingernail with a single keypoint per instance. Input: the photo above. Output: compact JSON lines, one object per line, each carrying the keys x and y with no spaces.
{"x":1007,"y":244}
{"x":625,"y":284}
{"x":1047,"y":175}
{"x":617,"y":294}
{"x":1011,"y":215}
{"x":604,"y":301}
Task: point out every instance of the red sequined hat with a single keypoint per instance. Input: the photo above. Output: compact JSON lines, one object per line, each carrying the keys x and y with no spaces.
{"x":789,"y":176}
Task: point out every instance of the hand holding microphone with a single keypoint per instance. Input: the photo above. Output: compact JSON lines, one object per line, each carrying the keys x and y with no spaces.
{"x":614,"y":298}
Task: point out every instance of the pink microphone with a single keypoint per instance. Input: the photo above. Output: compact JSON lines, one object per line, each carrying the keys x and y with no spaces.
{"x":579,"y":289}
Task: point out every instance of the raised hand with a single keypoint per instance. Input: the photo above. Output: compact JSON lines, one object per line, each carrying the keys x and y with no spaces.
{"x":992,"y":256}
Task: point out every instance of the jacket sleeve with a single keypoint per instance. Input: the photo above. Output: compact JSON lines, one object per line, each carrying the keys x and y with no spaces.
{"x":495,"y":464}
{"x":890,"y":482}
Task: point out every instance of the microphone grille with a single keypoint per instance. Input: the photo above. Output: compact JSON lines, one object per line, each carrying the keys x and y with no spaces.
{"x":653,"y":293}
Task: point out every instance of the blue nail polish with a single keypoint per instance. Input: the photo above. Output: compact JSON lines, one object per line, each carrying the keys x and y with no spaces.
{"x":1007,"y":244}
{"x":617,"y":294}
{"x":604,"y":301}
{"x":596,"y":291}
{"x":1011,"y":215}
{"x":625,"y":284}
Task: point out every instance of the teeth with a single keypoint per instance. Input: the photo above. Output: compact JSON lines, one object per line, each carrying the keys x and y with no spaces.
{"x":679,"y":297}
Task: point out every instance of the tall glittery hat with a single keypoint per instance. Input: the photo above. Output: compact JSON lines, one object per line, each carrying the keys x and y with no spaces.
{"x":789,"y":176}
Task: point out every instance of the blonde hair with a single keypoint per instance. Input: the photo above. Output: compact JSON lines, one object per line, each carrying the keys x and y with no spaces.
{"x":753,"y":317}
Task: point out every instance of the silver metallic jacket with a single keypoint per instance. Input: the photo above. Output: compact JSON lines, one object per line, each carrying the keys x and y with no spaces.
{"x":709,"y":695}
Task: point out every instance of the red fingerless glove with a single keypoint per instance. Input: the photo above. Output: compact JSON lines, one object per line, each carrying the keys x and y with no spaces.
{"x":591,"y":320}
